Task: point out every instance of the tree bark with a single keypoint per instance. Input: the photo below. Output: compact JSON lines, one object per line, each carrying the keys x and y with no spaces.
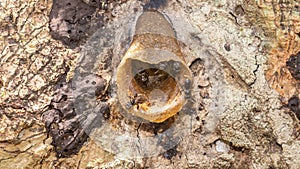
{"x":59,"y":108}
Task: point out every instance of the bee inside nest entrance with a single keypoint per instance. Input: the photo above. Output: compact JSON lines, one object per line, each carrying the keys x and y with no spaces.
{"x":152,"y":87}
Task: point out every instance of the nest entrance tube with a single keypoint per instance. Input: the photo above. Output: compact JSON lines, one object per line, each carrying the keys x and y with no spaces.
{"x":152,"y":87}
{"x":152,"y":74}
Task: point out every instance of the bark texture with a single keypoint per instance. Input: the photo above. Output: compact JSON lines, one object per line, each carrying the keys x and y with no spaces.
{"x":59,"y":109}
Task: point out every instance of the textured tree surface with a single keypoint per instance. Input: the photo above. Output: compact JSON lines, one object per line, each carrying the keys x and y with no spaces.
{"x":59,"y":108}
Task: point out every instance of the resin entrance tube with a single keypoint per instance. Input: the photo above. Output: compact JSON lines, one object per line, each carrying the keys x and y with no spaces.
{"x":151,"y":78}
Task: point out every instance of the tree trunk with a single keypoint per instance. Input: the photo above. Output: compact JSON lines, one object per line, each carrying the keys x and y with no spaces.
{"x":59,"y":103}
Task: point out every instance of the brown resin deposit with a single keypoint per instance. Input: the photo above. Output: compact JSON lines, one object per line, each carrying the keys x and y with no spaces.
{"x":218,"y":88}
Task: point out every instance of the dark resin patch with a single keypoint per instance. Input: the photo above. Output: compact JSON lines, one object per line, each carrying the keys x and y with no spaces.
{"x":70,"y":118}
{"x":293,"y":65}
{"x":73,"y":21}
{"x":294,"y":106}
